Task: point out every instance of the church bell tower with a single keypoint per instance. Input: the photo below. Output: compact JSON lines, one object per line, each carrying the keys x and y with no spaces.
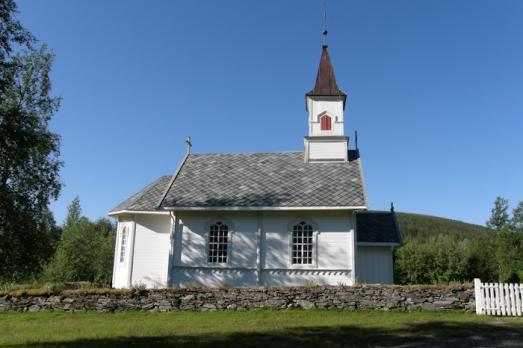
{"x":325,"y":104}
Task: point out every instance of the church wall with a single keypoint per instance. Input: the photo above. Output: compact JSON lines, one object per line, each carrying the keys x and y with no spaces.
{"x":375,"y":265}
{"x":322,"y":150}
{"x":333,"y":256}
{"x":194,"y":232}
{"x":300,"y":277}
{"x":333,"y":107}
{"x":151,"y":251}
{"x":190,"y":264}
{"x":212,"y":277}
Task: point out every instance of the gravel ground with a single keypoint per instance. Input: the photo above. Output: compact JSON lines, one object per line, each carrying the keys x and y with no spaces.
{"x":506,"y":337}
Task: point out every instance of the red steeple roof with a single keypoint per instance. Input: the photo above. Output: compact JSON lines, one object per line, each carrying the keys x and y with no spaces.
{"x":325,"y":80}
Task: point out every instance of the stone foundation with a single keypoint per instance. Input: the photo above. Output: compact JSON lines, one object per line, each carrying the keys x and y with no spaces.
{"x":379,"y":297}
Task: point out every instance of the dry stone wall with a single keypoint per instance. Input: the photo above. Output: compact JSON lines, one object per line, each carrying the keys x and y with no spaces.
{"x":405,"y":298}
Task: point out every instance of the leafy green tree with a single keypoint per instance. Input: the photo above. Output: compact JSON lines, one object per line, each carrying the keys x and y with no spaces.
{"x":499,"y":214}
{"x":74,"y":212}
{"x":85,"y":251}
{"x":12,"y":34}
{"x":29,"y":151}
{"x":103,"y":264}
{"x":509,"y":255}
{"x":440,"y":259}
{"x":517,"y":217}
{"x":481,"y":256}
{"x":414,"y":263}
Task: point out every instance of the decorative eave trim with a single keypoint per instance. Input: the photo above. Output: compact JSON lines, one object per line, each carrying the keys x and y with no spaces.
{"x":264,"y":208}
{"x":148,"y":212}
{"x":327,"y":138}
{"x":343,"y":96}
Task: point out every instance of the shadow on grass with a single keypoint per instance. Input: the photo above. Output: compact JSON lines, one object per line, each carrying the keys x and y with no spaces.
{"x":433,"y":334}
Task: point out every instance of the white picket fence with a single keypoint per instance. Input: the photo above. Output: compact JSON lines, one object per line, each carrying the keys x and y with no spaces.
{"x":498,"y":298}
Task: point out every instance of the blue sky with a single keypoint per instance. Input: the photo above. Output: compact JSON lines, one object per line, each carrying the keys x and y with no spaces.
{"x":435,"y":92}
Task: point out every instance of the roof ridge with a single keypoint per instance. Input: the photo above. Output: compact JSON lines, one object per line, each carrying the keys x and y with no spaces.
{"x":171,"y":182}
{"x":244,"y":153}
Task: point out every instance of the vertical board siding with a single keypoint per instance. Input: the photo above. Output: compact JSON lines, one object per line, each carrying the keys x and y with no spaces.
{"x":501,"y":299}
{"x":151,"y":251}
{"x":375,"y":265}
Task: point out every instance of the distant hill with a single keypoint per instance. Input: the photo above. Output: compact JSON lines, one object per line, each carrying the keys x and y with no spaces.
{"x":417,"y":226}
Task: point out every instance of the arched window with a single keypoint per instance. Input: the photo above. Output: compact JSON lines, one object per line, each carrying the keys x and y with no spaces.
{"x":218,"y":243}
{"x":302,"y":244}
{"x":325,"y":123}
{"x":123,"y":244}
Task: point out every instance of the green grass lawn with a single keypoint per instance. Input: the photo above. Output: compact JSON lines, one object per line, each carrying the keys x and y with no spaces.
{"x":285,"y":328}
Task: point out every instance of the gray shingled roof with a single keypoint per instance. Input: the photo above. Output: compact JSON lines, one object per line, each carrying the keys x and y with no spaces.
{"x":377,"y":227}
{"x":256,"y":180}
{"x":147,"y":198}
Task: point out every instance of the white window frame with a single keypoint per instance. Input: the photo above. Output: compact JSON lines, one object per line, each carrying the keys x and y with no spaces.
{"x":315,"y":233}
{"x":331,"y":123}
{"x":334,"y":120}
{"x":208,"y":240}
{"x":124,"y":243}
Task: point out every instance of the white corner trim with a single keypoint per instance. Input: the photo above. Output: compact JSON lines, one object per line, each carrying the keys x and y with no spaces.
{"x":147,"y":212}
{"x":354,"y":246}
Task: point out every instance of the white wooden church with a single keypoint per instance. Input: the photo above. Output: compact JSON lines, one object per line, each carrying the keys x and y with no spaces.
{"x":245,"y":219}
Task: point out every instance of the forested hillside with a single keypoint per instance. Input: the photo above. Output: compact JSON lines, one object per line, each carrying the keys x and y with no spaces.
{"x":438,"y":251}
{"x":424,"y":226}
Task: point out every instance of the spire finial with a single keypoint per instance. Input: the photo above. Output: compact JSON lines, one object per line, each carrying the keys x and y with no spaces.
{"x":325,"y":31}
{"x":188,"y":142}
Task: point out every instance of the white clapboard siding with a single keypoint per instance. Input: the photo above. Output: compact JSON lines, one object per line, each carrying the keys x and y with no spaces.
{"x":501,"y":299}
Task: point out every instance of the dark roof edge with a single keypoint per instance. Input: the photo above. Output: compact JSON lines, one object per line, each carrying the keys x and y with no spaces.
{"x":340,"y":93}
{"x":379,"y":244}
{"x":310,"y":94}
{"x":374,"y":212}
{"x":263,"y":208}
{"x":171,"y":182}
{"x":396,"y":225}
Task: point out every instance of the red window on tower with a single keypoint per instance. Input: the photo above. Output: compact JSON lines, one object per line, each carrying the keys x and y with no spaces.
{"x":325,"y":123}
